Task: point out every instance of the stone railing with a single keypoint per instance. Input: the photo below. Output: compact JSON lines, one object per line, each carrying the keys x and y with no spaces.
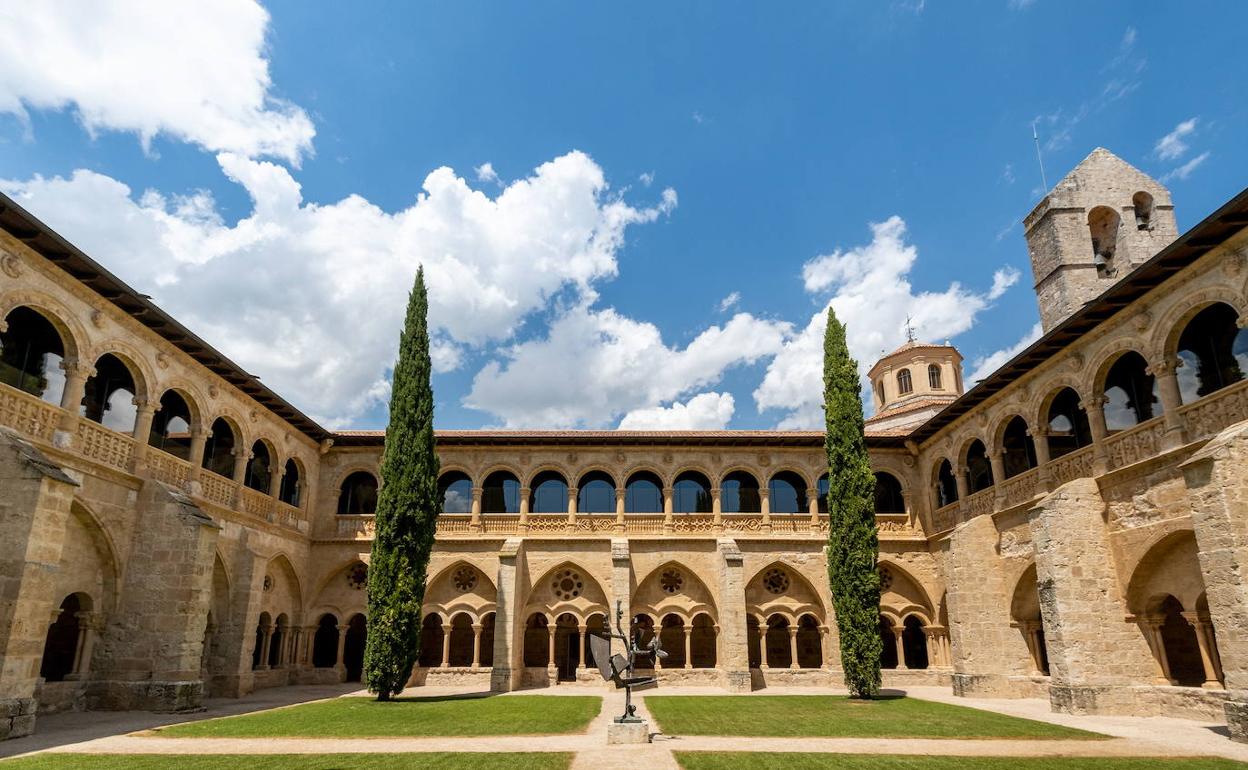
{"x":39,"y":421}
{"x":354,"y":527}
{"x":1071,"y":466}
{"x":1020,"y":488}
{"x":163,"y":466}
{"x":27,"y":414}
{"x":1139,"y":442}
{"x":105,"y":446}
{"x":1208,"y":416}
{"x":982,"y":502}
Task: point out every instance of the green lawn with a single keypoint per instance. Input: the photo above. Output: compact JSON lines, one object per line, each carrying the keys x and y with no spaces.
{"x":366,"y":718}
{"x":829,"y":716}
{"x":696,"y":760}
{"x":440,"y":761}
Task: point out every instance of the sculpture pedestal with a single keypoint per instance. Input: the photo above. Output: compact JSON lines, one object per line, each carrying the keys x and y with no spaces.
{"x":628,"y":732}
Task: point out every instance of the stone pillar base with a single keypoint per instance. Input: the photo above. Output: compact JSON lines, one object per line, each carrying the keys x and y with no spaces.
{"x":1068,"y":699}
{"x":1237,"y":719}
{"x":738,"y":681}
{"x":983,"y":686}
{"x":502,"y":680}
{"x":628,"y":732}
{"x":17,"y":717}
{"x":145,"y":696}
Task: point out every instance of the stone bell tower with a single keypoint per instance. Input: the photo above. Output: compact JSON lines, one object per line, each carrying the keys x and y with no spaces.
{"x":1096,"y":225}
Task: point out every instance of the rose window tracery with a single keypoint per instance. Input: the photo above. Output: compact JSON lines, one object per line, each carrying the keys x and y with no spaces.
{"x":671,"y":581}
{"x":268,"y":583}
{"x":776,"y":580}
{"x":567,"y":584}
{"x":464,"y":579}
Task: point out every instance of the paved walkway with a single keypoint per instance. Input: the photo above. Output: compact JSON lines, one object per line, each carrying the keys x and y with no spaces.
{"x":124,"y":733}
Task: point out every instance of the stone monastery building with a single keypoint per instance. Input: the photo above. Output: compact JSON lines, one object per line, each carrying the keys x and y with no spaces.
{"x":1075,"y":526}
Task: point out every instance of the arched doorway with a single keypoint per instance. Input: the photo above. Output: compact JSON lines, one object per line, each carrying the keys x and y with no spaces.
{"x":431,"y":634}
{"x":325,"y":642}
{"x":353,"y":647}
{"x":60,"y":649}
{"x":888,"y":644}
{"x":914,"y":642}
{"x":809,"y":643}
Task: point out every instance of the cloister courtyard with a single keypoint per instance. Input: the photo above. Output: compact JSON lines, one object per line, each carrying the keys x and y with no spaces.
{"x":337,"y":726}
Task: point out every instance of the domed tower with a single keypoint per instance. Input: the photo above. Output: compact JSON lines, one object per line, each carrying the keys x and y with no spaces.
{"x":1096,"y":225}
{"x":913,"y":383}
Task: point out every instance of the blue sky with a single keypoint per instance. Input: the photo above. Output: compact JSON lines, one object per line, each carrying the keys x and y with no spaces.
{"x":687,"y":185}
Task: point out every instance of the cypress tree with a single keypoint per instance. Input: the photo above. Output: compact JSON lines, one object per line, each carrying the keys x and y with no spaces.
{"x":407,"y":511}
{"x":853,"y":545}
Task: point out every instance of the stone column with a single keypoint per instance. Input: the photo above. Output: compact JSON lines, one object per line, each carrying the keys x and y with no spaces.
{"x":572,"y":510}
{"x":508,"y":629}
{"x":145,"y":410}
{"x":89,"y":624}
{"x":812,"y":507}
{"x":985,"y":652}
{"x":667,"y":509}
{"x":793,"y":646}
{"x":901,"y":647}
{"x":959,"y":480}
{"x":341,"y":666}
{"x":266,"y":638}
{"x":1040,"y":440}
{"x":1095,"y":409}
{"x":825,"y":654}
{"x":717,"y":514}
{"x":241,"y":456}
{"x":552,"y":669}
{"x":997,"y":460}
{"x":1151,"y":628}
{"x":76,"y":376}
{"x":476,"y":645}
{"x":764,"y":503}
{"x":1166,"y":372}
{"x":199,"y":440}
{"x":1206,"y":651}
{"x":276,"y":472}
{"x":446,"y":645}
{"x":762,"y":645}
{"x":474,"y":522}
{"x":580,"y":647}
{"x":1094,"y":657}
{"x":733,"y":656}
{"x":524,"y":509}
{"x":1217,"y":486}
{"x":688,"y":646}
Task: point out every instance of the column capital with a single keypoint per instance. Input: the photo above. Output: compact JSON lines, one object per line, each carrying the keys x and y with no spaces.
{"x":75,"y":367}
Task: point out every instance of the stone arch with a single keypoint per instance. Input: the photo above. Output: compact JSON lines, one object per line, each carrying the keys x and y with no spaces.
{"x":140,"y":371}
{"x":337,"y":592}
{"x":712,"y":478}
{"x":674,"y":589}
{"x":73,"y":334}
{"x":526,"y":480}
{"x":462,"y":587}
{"x":902,"y":595}
{"x":1025,"y":615}
{"x":1053,"y":388}
{"x":1109,"y":355}
{"x":557,"y":592}
{"x":643,"y":467}
{"x":1169,"y":566}
{"x":190,"y":397}
{"x":88,"y":559}
{"x":283,"y":593}
{"x":242,"y":438}
{"x":1170,"y":325}
{"x":779,"y":588}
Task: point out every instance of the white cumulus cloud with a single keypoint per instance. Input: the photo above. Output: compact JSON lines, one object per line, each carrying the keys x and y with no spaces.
{"x":1173,"y":145}
{"x":311,"y":296}
{"x":705,"y":411}
{"x":196,"y":72}
{"x":870,"y":290}
{"x":595,"y":365}
{"x":1183,"y":172}
{"x":986,"y":365}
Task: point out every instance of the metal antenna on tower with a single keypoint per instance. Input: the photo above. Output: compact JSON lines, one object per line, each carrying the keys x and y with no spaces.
{"x":1036,"y":138}
{"x":909,"y":330}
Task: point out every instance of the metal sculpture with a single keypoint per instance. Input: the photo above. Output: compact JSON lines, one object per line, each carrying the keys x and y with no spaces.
{"x":619,"y":668}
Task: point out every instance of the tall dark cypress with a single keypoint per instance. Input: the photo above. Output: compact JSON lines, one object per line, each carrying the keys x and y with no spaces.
{"x":853,"y":545}
{"x":407,"y":511}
